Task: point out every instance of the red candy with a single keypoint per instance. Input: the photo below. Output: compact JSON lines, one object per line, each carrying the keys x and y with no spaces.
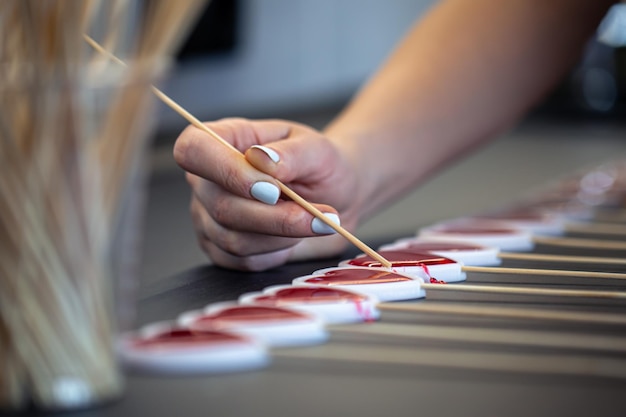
{"x":309,"y":295}
{"x":356,"y":277}
{"x":181,"y":338}
{"x":250,"y":314}
{"x":401,"y":258}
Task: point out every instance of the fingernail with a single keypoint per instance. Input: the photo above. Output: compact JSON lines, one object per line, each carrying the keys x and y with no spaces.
{"x":265,"y":192}
{"x":322,"y":228}
{"x":269,"y":152}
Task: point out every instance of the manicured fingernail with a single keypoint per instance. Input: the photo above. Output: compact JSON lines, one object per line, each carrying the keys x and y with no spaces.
{"x":269,"y":152}
{"x":322,"y":228}
{"x":265,"y":192}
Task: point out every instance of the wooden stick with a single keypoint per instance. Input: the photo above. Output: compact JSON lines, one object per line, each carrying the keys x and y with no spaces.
{"x":55,"y":320}
{"x":584,"y":317}
{"x":580,"y":243}
{"x":549,"y":292}
{"x":610,"y":215}
{"x":495,"y":336}
{"x":12,"y":393}
{"x":546,"y":272}
{"x":285,"y":190}
{"x":596,"y":228}
{"x":562,"y":258}
{"x":459,"y":359}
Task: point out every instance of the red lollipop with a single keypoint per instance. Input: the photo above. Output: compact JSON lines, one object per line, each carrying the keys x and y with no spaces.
{"x":332,"y":304}
{"x":414,"y":264}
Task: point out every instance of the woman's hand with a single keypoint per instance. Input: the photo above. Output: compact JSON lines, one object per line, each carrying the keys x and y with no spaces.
{"x":240,"y":218}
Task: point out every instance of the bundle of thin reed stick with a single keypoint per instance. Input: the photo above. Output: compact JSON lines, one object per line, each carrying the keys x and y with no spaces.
{"x":73,"y":129}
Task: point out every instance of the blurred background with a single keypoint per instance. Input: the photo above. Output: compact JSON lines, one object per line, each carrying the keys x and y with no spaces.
{"x":303,"y":59}
{"x":261,"y":57}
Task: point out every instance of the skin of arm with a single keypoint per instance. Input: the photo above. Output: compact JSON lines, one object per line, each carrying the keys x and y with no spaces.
{"x":464,"y":73}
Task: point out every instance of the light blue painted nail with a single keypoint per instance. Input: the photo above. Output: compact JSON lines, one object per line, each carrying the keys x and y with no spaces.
{"x":321,"y":228}
{"x":265,"y":192}
{"x":269,"y":152}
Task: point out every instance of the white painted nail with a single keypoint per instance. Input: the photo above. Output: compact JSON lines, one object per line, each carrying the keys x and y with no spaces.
{"x":269,"y":152}
{"x":265,"y":192}
{"x":322,"y":228}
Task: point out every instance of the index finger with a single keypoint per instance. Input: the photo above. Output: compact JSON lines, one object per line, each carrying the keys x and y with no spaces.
{"x":199,"y":153}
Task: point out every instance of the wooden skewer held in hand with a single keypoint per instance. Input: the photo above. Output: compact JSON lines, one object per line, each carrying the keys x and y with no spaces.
{"x":283,"y":188}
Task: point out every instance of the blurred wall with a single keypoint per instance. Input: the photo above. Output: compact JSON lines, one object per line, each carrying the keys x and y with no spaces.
{"x":290,"y":55}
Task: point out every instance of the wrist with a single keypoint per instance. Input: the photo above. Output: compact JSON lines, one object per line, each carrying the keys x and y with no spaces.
{"x":367,"y":181}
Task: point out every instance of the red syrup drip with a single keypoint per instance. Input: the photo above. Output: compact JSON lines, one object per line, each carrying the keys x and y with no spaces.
{"x":401,"y":258}
{"x":309,"y":295}
{"x":348,"y":276}
{"x":364,"y":313}
{"x":432,"y":279}
{"x":425,"y":268}
{"x":181,"y":338}
{"x":247,"y":314}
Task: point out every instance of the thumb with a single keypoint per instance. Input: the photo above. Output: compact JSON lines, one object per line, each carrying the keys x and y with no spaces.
{"x":305,"y":157}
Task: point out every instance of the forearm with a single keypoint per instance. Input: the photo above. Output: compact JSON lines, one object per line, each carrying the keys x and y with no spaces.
{"x":465,"y":73}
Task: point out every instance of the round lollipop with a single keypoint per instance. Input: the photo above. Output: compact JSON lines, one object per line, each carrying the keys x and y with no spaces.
{"x":167,"y":348}
{"x":383,"y":284}
{"x":481,"y":259}
{"x":465,"y":253}
{"x":533,"y":221}
{"x":334,"y":305}
{"x":568,"y":210}
{"x":479,"y":233}
{"x":519,"y":236}
{"x":275,"y":326}
{"x":414,"y":264}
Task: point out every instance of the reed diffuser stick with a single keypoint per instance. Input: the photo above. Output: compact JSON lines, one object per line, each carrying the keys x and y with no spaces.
{"x":72,"y":134}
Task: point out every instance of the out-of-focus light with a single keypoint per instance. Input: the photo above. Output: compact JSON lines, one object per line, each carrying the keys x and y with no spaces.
{"x":599,"y":89}
{"x":612,"y":30}
{"x":597,"y":182}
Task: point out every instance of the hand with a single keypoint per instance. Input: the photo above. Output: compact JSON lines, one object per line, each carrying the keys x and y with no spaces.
{"x":240,"y":220}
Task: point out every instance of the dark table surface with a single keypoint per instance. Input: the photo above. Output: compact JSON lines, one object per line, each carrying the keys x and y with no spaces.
{"x":314,"y":387}
{"x":176,"y":278}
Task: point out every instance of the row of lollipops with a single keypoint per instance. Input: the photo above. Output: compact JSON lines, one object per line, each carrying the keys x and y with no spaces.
{"x":237,"y":335}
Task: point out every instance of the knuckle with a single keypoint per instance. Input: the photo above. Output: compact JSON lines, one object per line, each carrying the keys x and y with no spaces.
{"x":206,"y":245}
{"x":197,"y":216}
{"x":191,"y":179}
{"x":221,"y":211}
{"x":293,"y":221}
{"x":231,"y":180}
{"x":252,"y":264}
{"x":184,"y":145}
{"x":230,"y":242}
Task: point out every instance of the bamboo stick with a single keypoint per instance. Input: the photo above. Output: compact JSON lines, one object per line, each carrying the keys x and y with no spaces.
{"x":563,"y":341}
{"x":548,"y":292}
{"x":517,"y":363}
{"x":546,"y":272}
{"x":562,"y":258}
{"x":535,"y":314}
